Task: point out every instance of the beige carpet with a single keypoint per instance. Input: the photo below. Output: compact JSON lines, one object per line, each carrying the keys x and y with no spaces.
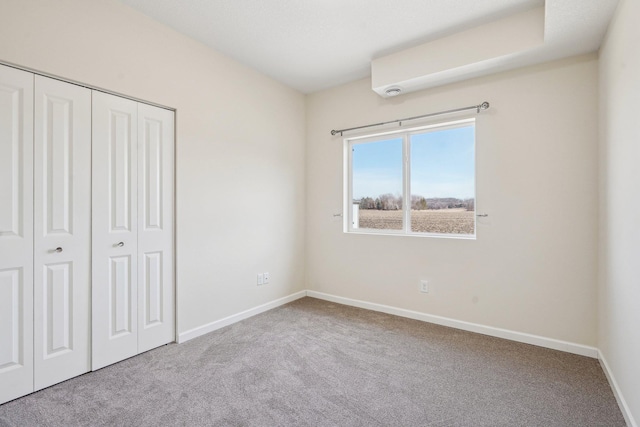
{"x":315,"y":363}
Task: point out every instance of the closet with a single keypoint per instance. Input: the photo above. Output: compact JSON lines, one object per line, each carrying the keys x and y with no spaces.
{"x":62,"y":231}
{"x":16,"y":233}
{"x":86,"y":230}
{"x":132,"y":228}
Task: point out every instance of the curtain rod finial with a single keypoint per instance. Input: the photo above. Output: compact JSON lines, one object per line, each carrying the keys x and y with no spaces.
{"x":483,"y":106}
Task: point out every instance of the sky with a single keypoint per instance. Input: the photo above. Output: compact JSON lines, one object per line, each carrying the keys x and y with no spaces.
{"x":442,"y":165}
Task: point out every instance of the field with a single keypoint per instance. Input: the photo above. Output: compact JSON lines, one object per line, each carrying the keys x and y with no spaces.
{"x":449,"y":221}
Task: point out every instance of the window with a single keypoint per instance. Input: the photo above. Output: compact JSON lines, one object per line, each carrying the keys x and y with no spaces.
{"x":419,"y":181}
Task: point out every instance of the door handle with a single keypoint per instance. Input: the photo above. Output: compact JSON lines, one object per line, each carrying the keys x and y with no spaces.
{"x":120,"y":244}
{"x":58,"y":249}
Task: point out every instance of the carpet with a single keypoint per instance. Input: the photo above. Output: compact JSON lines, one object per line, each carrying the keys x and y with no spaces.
{"x":317,"y":363}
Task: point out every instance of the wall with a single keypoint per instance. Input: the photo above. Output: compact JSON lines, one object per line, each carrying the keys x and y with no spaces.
{"x":619,"y":296}
{"x":532,"y":268}
{"x":240,"y":143}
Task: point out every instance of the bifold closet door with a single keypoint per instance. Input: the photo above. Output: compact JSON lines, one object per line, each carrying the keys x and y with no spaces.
{"x":133,"y":290}
{"x":62,"y":231}
{"x":115,"y":228}
{"x":16,"y":233}
{"x":156,"y":318}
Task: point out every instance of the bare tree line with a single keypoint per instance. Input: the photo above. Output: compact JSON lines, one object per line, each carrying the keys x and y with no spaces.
{"x":390,"y":202}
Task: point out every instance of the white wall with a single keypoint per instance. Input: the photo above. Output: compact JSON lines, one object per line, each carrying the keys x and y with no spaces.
{"x":240,"y":143}
{"x":619,"y":297}
{"x":532,"y":268}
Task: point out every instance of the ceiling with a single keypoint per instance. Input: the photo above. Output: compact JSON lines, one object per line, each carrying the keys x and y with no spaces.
{"x":316,"y":44}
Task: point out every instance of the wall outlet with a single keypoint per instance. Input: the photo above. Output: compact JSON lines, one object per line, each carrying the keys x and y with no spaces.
{"x":424,"y":286}
{"x":266,"y":278}
{"x":260,"y":279}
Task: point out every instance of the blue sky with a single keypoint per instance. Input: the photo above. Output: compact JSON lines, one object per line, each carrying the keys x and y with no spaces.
{"x":442,"y":165}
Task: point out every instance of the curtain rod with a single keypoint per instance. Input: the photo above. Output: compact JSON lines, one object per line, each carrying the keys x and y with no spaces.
{"x":478,"y":108}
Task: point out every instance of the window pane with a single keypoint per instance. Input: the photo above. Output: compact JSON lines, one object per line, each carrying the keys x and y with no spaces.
{"x":377,"y":185}
{"x":443,"y":181}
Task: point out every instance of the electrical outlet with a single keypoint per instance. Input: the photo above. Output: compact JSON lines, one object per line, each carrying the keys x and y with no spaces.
{"x":266,"y":278}
{"x":260,"y":279}
{"x":424,"y":286}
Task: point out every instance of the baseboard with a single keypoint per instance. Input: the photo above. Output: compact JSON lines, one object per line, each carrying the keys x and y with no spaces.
{"x":624,"y":408}
{"x":210,"y":327}
{"x":569,"y":347}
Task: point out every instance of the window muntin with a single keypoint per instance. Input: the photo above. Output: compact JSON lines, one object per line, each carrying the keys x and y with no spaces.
{"x":432,"y":168}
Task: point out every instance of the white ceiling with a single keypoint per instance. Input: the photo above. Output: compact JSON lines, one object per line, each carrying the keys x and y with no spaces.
{"x":315,"y":44}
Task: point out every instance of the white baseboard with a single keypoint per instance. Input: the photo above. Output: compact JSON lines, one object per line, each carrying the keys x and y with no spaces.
{"x":210,"y":327}
{"x":624,"y":408}
{"x":569,"y":347}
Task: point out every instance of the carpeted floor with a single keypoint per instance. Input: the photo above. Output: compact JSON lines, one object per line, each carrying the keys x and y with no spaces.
{"x":315,"y":363}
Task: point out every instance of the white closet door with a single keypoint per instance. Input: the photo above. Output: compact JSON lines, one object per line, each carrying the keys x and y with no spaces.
{"x":62,"y":200}
{"x":156,"y":324}
{"x":115,"y":225}
{"x":16,"y":233}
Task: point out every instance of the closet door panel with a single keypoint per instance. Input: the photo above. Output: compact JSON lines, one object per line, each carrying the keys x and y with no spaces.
{"x":62,"y":208}
{"x":115,"y":225}
{"x":156,"y":324}
{"x":16,"y":233}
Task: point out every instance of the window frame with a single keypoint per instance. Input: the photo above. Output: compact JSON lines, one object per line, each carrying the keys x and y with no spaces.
{"x":405,"y":134}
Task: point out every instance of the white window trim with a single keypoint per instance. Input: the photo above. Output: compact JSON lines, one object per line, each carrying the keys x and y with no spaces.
{"x":347,"y":192}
